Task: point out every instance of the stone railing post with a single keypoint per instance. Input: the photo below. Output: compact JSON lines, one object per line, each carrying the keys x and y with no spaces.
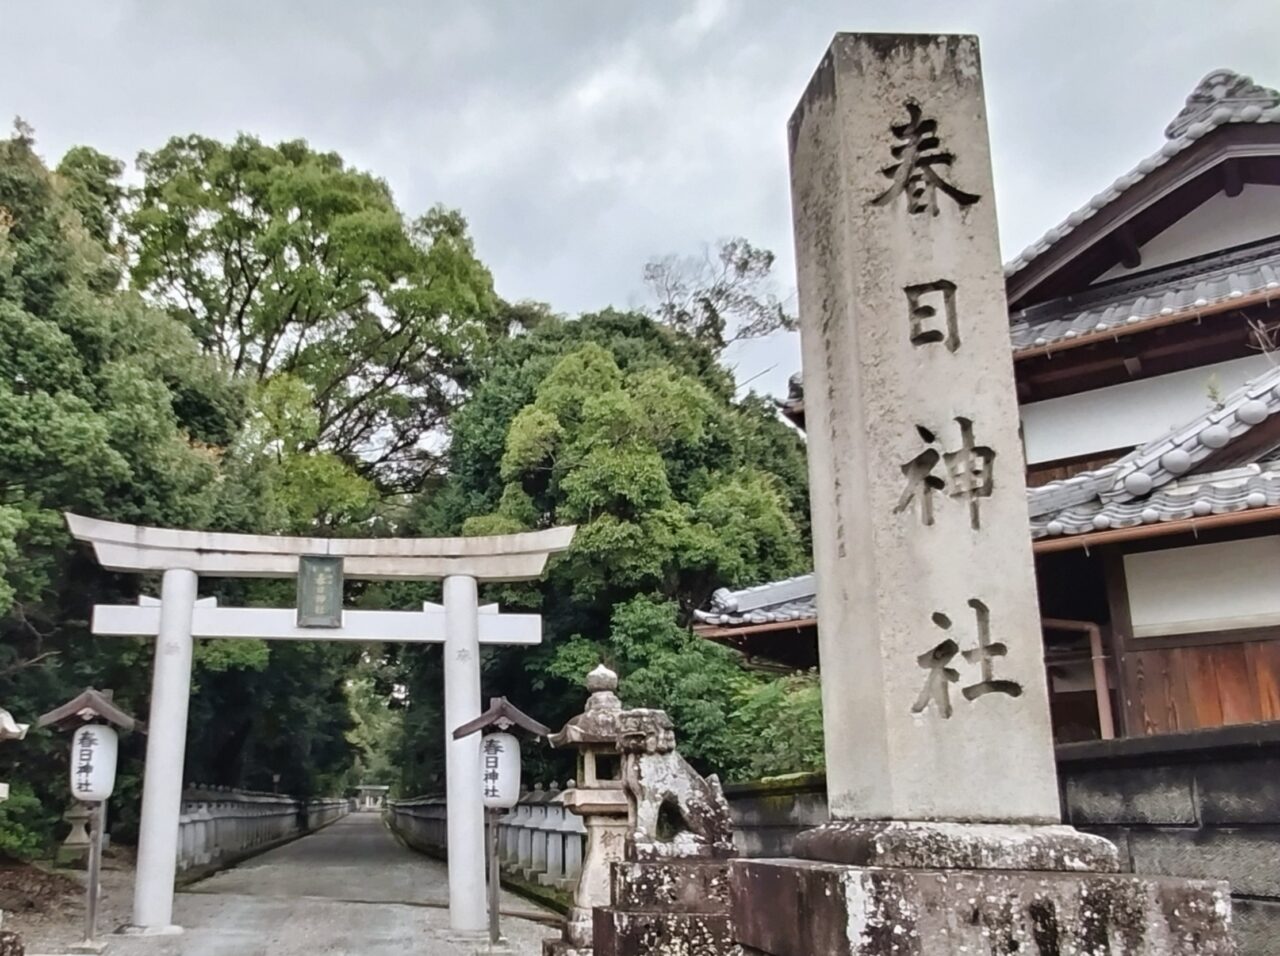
{"x":575,"y":848}
{"x":524,"y":843}
{"x":508,"y":849}
{"x":553,"y":873}
{"x":538,"y":833}
{"x":186,"y":837}
{"x":203,"y":824}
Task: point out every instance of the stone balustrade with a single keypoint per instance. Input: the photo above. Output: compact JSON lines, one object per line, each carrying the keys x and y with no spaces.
{"x":539,"y":841}
{"x":220,"y":825}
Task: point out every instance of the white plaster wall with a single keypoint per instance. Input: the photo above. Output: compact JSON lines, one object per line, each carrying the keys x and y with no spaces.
{"x":1205,"y":587}
{"x":1219,"y":223}
{"x":1128,"y":414}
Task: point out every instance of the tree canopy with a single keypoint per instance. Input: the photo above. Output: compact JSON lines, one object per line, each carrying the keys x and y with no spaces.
{"x":256,"y":338}
{"x":631,"y":431}
{"x":284,"y":260}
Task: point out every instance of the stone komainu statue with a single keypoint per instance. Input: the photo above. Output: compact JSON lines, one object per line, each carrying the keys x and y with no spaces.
{"x":676,"y":813}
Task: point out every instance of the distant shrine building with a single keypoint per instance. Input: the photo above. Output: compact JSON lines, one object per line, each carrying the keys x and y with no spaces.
{"x":1145,"y":337}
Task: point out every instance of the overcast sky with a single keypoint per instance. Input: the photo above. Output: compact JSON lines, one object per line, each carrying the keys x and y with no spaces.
{"x":582,"y":138}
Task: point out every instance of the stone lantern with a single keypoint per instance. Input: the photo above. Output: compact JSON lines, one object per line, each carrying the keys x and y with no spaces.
{"x":10,"y":729}
{"x":601,"y":802}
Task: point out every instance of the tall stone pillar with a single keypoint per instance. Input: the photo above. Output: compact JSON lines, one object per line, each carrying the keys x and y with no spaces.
{"x":465,"y":808}
{"x":940,"y":766}
{"x":166,"y":749}
{"x":930,"y":634}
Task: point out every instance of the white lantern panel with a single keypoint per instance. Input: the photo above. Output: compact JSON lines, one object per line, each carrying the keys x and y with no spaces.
{"x":500,"y":770}
{"x":94,"y":749}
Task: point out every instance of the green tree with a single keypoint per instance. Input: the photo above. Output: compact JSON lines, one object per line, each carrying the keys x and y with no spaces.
{"x":285,"y":260}
{"x":631,"y":431}
{"x":94,"y":189}
{"x":107,"y":407}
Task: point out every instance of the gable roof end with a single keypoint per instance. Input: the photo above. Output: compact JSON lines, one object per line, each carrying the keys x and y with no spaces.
{"x":1222,"y":97}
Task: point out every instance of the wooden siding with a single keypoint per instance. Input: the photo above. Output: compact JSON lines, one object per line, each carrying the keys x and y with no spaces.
{"x":1191,"y":681}
{"x":1171,"y":689}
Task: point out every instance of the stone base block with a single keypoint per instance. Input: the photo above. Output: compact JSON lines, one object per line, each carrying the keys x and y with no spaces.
{"x":11,"y":944}
{"x":669,"y":887}
{"x":575,"y":940}
{"x":72,"y":857}
{"x":667,"y":908}
{"x":663,"y":934}
{"x":958,"y":846}
{"x":802,"y":908}
{"x":559,"y":947}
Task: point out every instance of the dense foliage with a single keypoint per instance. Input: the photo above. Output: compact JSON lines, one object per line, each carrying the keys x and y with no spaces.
{"x":255,"y":338}
{"x":106,"y":408}
{"x":630,"y":431}
{"x":285,"y":260}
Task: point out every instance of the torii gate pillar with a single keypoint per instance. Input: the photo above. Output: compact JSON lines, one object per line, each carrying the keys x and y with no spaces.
{"x":166,"y":750}
{"x":183,"y":556}
{"x":468,"y":909}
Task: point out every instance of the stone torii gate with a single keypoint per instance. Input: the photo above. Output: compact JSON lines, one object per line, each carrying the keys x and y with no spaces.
{"x":461,"y":624}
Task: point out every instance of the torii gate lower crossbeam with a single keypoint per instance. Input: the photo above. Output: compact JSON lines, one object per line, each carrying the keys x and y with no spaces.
{"x":460,"y":623}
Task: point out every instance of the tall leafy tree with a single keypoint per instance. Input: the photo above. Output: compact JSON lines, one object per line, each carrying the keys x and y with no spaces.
{"x":631,"y":431}
{"x":107,"y":407}
{"x":285,"y":260}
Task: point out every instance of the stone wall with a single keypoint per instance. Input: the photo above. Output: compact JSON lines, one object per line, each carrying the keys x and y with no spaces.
{"x":767,"y":814}
{"x":1201,"y":804}
{"x":1204,"y":804}
{"x":220,"y":826}
{"x":540,"y":843}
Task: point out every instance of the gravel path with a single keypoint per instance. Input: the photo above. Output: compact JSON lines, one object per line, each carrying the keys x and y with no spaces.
{"x":349,"y":889}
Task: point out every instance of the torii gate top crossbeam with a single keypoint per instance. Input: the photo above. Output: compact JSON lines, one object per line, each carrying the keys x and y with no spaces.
{"x":501,"y":557}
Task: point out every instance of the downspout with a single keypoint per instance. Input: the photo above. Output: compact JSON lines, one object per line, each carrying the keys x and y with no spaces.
{"x":1101,"y":682}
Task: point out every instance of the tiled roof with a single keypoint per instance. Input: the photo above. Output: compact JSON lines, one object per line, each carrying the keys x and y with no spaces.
{"x":1158,"y":462}
{"x":1222,"y":97}
{"x":1197,"y":496}
{"x":1184,"y":287}
{"x":792,"y":599}
{"x":1151,"y":484}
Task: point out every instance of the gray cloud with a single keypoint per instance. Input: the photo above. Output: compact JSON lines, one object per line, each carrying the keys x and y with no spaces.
{"x":581,"y":138}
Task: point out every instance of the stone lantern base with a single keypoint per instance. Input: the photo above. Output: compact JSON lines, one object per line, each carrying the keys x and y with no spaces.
{"x":800,"y":907}
{"x":667,"y":908}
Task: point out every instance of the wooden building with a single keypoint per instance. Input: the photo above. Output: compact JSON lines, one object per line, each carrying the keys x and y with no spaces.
{"x":1145,"y":336}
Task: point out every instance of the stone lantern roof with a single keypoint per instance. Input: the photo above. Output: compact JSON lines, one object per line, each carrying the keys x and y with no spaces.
{"x":599,"y":722}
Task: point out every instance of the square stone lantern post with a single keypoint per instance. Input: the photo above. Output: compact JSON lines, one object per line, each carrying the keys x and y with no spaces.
{"x":601,"y":802}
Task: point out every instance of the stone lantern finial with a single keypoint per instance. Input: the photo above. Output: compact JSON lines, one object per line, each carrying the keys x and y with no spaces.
{"x":602,"y":679}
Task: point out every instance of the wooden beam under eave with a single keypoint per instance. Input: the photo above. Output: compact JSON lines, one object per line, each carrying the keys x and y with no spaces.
{"x":714,"y":631}
{"x":1127,"y":243}
{"x":1264,"y":297}
{"x":1232,"y":181}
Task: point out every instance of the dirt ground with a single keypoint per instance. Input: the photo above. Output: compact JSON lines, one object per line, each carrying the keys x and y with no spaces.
{"x":39,"y":901}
